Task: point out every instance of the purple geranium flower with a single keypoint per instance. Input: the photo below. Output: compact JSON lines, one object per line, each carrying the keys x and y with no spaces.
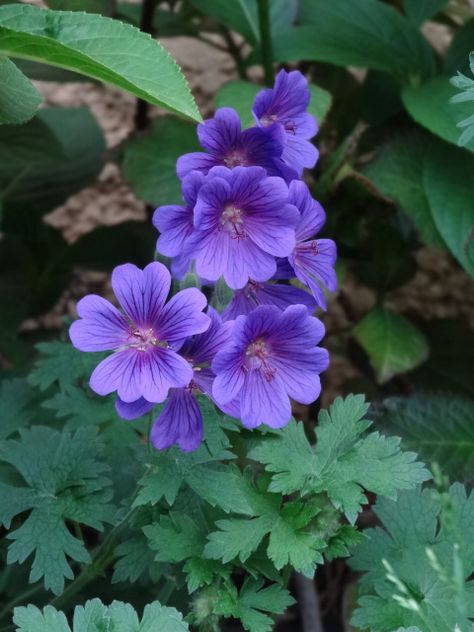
{"x":243,"y":221}
{"x":254,"y":294}
{"x":227,"y":145}
{"x":144,"y":363}
{"x":181,"y":420}
{"x":312,"y":260}
{"x":271,"y":357}
{"x":286,"y":105}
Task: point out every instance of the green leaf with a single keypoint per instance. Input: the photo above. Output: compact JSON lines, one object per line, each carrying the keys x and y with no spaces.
{"x":418,"y":11}
{"x":100,"y":48}
{"x":95,"y":617}
{"x":19,"y":99}
{"x":450,"y":366}
{"x":345,"y":462}
{"x":16,"y":397}
{"x":451,"y":200}
{"x":81,"y":407}
{"x":392,"y":343}
{"x":105,"y":7}
{"x":438,"y":427}
{"x":417,"y":569}
{"x":242,"y":15}
{"x":397,"y":172}
{"x":253,"y":603}
{"x":54,"y":155}
{"x":430,"y":105}
{"x":62,"y":481}
{"x":61,"y":363}
{"x":201,"y":572}
{"x":457,"y":57}
{"x":364,"y":33}
{"x":238,"y":537}
{"x":150,"y":162}
{"x":176,"y":537}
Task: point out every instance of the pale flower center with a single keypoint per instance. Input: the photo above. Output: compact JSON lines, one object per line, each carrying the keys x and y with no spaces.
{"x":235,"y":158}
{"x":232,"y":221}
{"x":143,"y":339}
{"x":257,"y":356}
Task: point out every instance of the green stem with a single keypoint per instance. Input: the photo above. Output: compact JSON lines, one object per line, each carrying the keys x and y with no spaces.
{"x":102,"y":558}
{"x":266,"y":40}
{"x":235,"y":51}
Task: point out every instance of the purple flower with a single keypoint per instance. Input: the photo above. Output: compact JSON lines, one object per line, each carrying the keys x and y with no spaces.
{"x":286,"y":105}
{"x":181,"y":420}
{"x":272,"y":356}
{"x":144,"y":363}
{"x":312,"y":261}
{"x":227,"y":145}
{"x":243,"y":221}
{"x":254,"y":294}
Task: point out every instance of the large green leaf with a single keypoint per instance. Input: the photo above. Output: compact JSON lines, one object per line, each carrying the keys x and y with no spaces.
{"x":242,"y":15}
{"x":430,"y":106}
{"x":439,"y":428}
{"x":150,"y":162}
{"x":19,"y":99}
{"x":418,"y":11}
{"x":240,"y":95}
{"x":397,"y":172}
{"x":365,"y":33}
{"x":447,"y":176}
{"x":105,"y":7}
{"x":392,"y":343}
{"x":54,"y":155}
{"x":100,"y":48}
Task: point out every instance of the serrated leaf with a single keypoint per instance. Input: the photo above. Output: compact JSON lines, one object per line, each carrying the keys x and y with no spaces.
{"x":345,"y":462}
{"x":62,"y":481}
{"x":81,"y":407}
{"x":430,"y":105}
{"x":19,"y":99}
{"x":176,"y":537}
{"x":238,"y":537}
{"x":397,"y":172}
{"x":98,"y":47}
{"x":409,"y":578}
{"x":240,"y":95}
{"x":253,"y":603}
{"x":392,"y":343}
{"x":201,"y":572}
{"x":94,"y":616}
{"x":149,"y":163}
{"x":451,"y":199}
{"x":63,"y":364}
{"x":16,"y":397}
{"x":363,"y":33}
{"x":439,"y":427}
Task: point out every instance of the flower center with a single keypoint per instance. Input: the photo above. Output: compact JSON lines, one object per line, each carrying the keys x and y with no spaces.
{"x":257,"y":356}
{"x":252,"y":289}
{"x":143,"y":339}
{"x":232,"y":221}
{"x":235,"y":158}
{"x":268,"y":119}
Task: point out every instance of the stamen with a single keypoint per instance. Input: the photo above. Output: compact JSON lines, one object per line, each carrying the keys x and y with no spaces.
{"x":232,"y":220}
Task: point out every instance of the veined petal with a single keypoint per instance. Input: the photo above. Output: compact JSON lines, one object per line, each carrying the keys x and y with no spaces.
{"x":264,"y":401}
{"x":300,"y":373}
{"x":180,"y":422}
{"x":230,"y":374}
{"x":312,"y":215}
{"x":141,"y":293}
{"x":221,"y":133}
{"x":195,"y":161}
{"x":203,"y":347}
{"x":175,"y":224}
{"x":101,"y":326}
{"x":182,"y":316}
{"x":133,"y":410}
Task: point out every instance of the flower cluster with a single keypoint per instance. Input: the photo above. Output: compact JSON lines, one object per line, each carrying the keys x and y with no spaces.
{"x":248,"y":219}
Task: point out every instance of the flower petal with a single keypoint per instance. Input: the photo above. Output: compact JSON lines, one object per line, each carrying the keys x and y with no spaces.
{"x":312,"y":215}
{"x":182,"y":316}
{"x":141,"y":293}
{"x":300,"y":375}
{"x":230,"y":374}
{"x":101,"y":326}
{"x":203,"y":347}
{"x":264,"y":401}
{"x":195,"y":161}
{"x":221,"y":133}
{"x":180,"y":422}
{"x":175,"y":224}
{"x":133,"y":410}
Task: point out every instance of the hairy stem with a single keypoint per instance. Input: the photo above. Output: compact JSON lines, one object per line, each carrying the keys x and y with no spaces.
{"x":266,"y":40}
{"x":142,"y":119}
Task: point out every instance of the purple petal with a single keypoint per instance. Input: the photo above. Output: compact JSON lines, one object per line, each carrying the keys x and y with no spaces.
{"x":204,"y":378}
{"x":300,"y":374}
{"x":180,"y":422}
{"x":289,"y":97}
{"x":101,"y":327}
{"x":203,"y":347}
{"x":230,"y":374}
{"x":264,"y":401}
{"x":221,"y":133}
{"x":133,"y":410}
{"x":312,"y":215}
{"x":175,"y":223}
{"x":313,"y":263}
{"x":232,"y":408}
{"x":135,"y":374}
{"x":141,"y":293}
{"x":182,"y":316}
{"x":274,"y":231}
{"x":191,"y":186}
{"x":264,"y":147}
{"x":299,"y":153}
{"x":295,"y":330}
{"x":194,"y":161}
